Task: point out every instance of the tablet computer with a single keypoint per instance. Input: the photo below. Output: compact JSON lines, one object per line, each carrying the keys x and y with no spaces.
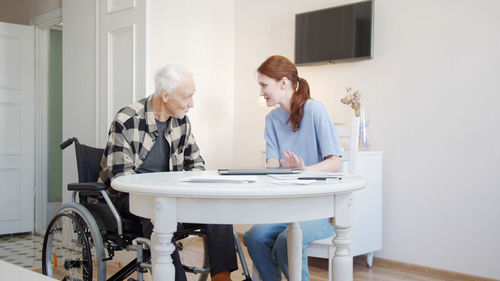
{"x":257,"y":171}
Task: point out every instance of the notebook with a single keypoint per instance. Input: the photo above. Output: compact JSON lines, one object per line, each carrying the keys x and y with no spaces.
{"x":257,"y":171}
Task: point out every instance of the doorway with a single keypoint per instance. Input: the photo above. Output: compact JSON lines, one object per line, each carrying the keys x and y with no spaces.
{"x":54,"y":122}
{"x":48,"y":94}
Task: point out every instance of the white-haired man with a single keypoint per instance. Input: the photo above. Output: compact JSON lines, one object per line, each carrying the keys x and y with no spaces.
{"x":154,"y":135}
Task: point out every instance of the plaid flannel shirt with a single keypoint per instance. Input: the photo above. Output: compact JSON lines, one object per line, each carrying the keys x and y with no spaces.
{"x":132,"y":135}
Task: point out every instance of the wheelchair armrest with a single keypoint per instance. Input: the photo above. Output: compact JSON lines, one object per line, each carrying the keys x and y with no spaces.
{"x":92,"y":189}
{"x":86,"y":186}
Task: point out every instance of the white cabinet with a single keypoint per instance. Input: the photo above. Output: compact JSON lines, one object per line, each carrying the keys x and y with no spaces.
{"x":367,"y":205}
{"x":367,"y":211}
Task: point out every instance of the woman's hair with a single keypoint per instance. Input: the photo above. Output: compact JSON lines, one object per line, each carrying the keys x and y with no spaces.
{"x":278,"y":67}
{"x":169,"y":77}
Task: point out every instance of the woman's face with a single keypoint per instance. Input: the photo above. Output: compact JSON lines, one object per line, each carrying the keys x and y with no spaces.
{"x":272,"y":90}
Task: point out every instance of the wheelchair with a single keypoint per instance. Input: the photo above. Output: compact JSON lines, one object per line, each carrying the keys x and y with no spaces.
{"x":82,"y":238}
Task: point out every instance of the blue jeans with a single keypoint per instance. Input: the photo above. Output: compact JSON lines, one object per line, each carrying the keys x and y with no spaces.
{"x":266,"y":245}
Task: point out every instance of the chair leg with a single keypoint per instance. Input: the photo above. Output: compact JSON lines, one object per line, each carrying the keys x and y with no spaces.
{"x":330,"y":263}
{"x":139,"y":259}
{"x":242,"y":257}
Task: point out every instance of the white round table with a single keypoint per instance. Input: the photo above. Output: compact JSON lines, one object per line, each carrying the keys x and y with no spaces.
{"x":167,"y":200}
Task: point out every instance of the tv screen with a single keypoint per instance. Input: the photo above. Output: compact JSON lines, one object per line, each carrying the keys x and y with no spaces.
{"x":333,"y":34}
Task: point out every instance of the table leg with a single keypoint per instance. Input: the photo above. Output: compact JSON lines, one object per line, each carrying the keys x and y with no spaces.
{"x":294,"y":250}
{"x":342,"y":261}
{"x":165,"y":224}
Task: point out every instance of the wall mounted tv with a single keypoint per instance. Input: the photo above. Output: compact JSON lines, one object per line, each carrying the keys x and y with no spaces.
{"x":334,"y":34}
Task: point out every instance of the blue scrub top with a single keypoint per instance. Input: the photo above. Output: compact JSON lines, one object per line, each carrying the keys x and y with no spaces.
{"x":315,"y":139}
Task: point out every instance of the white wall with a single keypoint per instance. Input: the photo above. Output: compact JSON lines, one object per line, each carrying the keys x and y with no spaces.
{"x":79,"y":82}
{"x":432,"y":96}
{"x":195,"y":34}
{"x":199,"y":35}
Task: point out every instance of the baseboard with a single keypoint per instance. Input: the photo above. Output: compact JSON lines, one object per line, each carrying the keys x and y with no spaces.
{"x":424,"y":270}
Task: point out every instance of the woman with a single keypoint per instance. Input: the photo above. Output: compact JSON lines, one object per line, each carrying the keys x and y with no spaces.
{"x":299,"y":134}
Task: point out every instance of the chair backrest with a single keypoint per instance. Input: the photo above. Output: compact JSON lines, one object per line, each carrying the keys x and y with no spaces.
{"x":350,"y":149}
{"x":87,"y":160}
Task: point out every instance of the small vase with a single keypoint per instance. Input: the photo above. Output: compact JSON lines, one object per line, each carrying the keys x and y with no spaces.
{"x":363,"y":123}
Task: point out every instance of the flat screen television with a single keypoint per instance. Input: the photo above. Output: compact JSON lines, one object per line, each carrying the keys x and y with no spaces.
{"x":334,"y":34}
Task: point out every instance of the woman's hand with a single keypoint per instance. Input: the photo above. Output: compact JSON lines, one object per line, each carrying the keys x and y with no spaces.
{"x":272,"y":163}
{"x":292,"y":161}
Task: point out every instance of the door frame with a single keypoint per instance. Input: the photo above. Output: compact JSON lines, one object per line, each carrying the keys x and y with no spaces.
{"x":42,"y":25}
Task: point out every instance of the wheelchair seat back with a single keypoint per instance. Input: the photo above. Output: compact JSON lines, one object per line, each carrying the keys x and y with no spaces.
{"x":88,"y":164}
{"x":87,"y":161}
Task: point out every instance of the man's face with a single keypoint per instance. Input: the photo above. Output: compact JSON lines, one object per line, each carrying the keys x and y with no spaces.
{"x":181,"y":99}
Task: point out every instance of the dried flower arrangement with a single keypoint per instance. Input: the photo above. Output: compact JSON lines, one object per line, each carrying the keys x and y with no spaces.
{"x":353,"y":99}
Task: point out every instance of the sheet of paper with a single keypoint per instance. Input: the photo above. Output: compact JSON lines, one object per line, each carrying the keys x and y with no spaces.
{"x":285,"y":177}
{"x":311,"y":175}
{"x":295,"y":181}
{"x":220,"y":179}
{"x":320,"y":174}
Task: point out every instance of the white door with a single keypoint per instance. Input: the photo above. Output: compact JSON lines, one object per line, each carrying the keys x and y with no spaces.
{"x":123,"y":57}
{"x":17,"y":140}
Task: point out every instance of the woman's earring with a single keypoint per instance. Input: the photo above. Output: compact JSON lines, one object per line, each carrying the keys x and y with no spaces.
{"x":164,"y":99}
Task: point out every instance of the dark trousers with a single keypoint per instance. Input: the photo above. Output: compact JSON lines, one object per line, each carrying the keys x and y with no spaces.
{"x":220,"y":241}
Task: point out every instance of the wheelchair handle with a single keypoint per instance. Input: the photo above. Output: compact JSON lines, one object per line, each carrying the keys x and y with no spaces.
{"x":67,"y":142}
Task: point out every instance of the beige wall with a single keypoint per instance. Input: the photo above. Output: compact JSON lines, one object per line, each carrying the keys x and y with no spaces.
{"x":199,"y":35}
{"x":21,"y":11}
{"x":431,"y":94}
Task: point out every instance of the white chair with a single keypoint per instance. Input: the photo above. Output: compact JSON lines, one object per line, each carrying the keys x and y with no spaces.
{"x":324,"y":248}
{"x":349,"y":163}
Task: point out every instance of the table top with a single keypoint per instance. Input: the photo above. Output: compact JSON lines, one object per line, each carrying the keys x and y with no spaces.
{"x":14,"y":272}
{"x":169,"y":184}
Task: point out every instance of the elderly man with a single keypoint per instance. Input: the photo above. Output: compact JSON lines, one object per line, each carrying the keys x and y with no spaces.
{"x":154,"y":135}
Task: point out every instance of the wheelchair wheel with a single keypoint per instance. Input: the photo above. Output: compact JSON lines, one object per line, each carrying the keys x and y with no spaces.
{"x":193,"y":253}
{"x":72,"y":246}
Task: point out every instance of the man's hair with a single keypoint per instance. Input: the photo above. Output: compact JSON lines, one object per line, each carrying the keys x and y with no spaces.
{"x":169,"y":77}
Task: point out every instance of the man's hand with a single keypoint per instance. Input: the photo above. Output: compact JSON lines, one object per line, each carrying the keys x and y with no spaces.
{"x":292,"y":161}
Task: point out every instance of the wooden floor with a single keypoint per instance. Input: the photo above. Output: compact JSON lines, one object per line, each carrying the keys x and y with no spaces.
{"x":318,"y":271}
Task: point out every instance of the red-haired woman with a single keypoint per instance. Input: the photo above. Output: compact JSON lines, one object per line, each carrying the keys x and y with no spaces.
{"x":299,"y":134}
